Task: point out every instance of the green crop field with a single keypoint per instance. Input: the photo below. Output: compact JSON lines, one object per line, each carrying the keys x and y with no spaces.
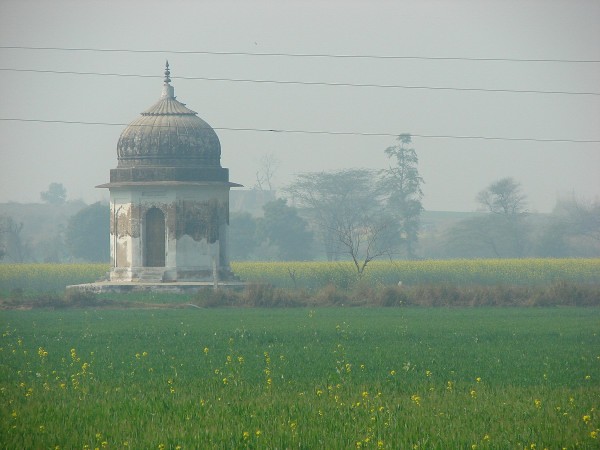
{"x":411,"y":378}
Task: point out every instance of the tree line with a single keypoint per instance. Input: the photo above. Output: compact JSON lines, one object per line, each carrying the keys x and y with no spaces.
{"x":352,"y":214}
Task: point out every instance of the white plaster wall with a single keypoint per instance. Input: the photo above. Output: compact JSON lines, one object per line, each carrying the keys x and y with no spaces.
{"x":120,"y":246}
{"x":127,"y":251}
{"x":196,"y":254}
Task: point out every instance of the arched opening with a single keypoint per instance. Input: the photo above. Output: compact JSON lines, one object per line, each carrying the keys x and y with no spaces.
{"x":154,"y":245}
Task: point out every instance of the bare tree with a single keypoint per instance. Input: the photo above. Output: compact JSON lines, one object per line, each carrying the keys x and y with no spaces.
{"x":346,"y":209}
{"x":268,"y":165}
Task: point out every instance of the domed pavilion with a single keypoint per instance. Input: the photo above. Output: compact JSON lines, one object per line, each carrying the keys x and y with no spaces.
{"x":169,"y":198}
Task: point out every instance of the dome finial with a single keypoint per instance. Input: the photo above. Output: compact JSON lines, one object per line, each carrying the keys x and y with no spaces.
{"x":167,"y":73}
{"x":168,"y":90}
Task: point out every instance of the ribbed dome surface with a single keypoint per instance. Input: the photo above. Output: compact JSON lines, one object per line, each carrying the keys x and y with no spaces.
{"x":168,"y":134}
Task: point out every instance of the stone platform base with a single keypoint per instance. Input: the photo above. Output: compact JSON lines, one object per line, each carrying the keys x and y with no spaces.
{"x":111,"y":287}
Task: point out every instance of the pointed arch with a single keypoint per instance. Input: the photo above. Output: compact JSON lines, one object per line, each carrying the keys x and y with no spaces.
{"x":154,"y":239}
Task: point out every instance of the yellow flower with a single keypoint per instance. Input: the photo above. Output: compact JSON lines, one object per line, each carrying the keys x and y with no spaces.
{"x":258,"y":433}
{"x":586,"y":418}
{"x":594,"y":434}
{"x":206,"y":350}
{"x":246,"y":435}
{"x":538,"y":403}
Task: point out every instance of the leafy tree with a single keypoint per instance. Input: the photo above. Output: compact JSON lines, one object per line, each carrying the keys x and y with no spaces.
{"x":242,"y":236}
{"x":55,"y":195}
{"x":346,"y":209}
{"x":506,"y":202}
{"x":503,"y":197}
{"x":581,"y":219}
{"x":499,"y":231}
{"x":476,"y":237}
{"x":88,"y":233}
{"x":12,"y":246}
{"x":402,"y":183}
{"x":284,"y":229}
{"x":550,"y":241}
{"x":573,"y":230}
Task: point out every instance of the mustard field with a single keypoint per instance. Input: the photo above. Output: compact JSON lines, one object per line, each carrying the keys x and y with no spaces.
{"x":335,"y":378}
{"x":431,"y":272}
{"x":44,"y":278}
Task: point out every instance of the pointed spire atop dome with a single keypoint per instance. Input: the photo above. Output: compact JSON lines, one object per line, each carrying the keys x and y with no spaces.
{"x":168,"y":90}
{"x":167,"y":72}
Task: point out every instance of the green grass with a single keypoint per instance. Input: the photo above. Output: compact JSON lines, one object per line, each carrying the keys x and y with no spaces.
{"x":300,"y":378}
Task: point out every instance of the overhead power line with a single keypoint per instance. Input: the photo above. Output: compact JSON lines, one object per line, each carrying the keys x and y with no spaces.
{"x":323,"y":132}
{"x":302,"y":55}
{"x":309,"y":83}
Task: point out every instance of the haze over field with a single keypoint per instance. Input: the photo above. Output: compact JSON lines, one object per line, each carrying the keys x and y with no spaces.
{"x":481,"y":103}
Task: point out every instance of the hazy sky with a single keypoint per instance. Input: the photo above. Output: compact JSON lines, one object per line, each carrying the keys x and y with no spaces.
{"x":455,"y":170}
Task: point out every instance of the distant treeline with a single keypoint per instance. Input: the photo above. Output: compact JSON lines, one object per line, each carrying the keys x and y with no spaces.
{"x":75,"y":232}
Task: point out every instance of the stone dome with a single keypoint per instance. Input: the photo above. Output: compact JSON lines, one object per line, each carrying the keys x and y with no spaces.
{"x":168,"y":134}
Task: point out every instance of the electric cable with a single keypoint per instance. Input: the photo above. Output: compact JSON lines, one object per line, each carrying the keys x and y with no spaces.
{"x":322,"y":132}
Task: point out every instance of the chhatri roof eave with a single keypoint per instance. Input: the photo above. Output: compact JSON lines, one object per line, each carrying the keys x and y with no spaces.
{"x":134,"y":184}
